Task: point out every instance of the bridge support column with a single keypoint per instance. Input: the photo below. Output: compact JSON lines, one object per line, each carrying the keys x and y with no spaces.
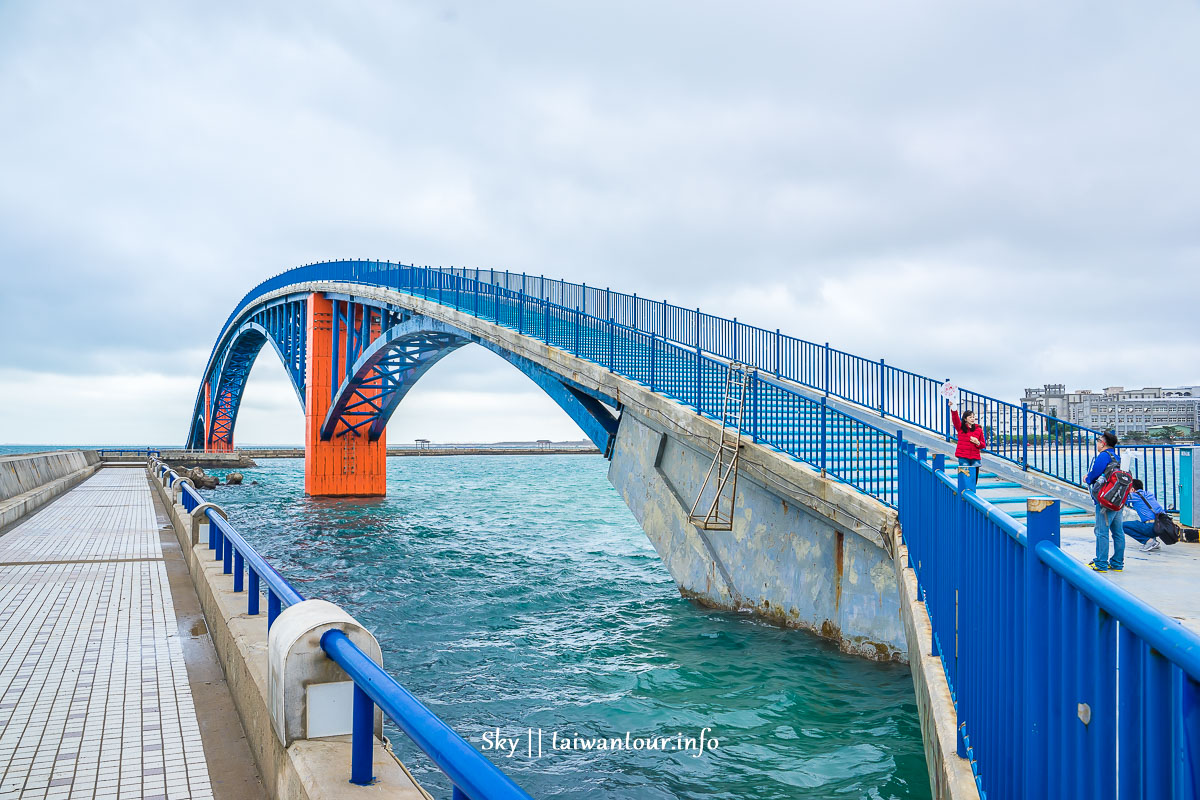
{"x":347,"y":465}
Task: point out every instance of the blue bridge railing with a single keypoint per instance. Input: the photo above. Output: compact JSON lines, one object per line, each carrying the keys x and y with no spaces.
{"x":472,"y":775}
{"x":116,"y":452}
{"x":682,"y":353}
{"x":1064,"y":684}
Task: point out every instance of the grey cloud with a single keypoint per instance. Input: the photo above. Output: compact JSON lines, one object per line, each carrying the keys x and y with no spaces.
{"x":1030,"y":166}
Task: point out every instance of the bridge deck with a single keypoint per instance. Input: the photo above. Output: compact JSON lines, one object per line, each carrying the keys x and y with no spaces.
{"x":95,"y":696}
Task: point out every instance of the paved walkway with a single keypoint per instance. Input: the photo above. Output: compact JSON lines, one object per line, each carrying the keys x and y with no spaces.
{"x":95,"y":700}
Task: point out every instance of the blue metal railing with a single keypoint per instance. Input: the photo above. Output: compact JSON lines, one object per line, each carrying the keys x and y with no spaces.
{"x":118,"y":451}
{"x":473,"y":776}
{"x":628,"y":334}
{"x":1064,"y":684}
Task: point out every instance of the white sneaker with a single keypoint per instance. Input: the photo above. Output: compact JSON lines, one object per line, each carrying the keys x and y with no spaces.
{"x":1151,"y":545}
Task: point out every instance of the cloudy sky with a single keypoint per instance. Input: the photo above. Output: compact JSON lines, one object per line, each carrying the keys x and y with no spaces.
{"x":1003,"y":193}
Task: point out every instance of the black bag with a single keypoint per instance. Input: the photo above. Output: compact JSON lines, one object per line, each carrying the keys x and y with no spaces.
{"x":1165,"y":529}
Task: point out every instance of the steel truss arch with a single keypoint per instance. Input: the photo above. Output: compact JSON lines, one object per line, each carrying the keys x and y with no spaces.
{"x":392,"y":364}
{"x":283,"y":323}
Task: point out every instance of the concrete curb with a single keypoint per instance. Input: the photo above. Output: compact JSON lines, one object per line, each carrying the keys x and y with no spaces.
{"x":313,"y":769}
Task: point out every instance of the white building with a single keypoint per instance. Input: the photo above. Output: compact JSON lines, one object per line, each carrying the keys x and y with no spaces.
{"x":1118,"y":409}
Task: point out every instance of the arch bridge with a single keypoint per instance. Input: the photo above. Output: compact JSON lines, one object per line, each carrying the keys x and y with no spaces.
{"x":817,"y":432}
{"x":819,"y":445}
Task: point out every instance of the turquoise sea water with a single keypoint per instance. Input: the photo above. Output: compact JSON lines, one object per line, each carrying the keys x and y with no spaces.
{"x":519,"y":593}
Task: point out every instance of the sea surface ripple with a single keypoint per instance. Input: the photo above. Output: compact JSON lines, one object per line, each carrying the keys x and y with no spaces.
{"x":519,"y":593}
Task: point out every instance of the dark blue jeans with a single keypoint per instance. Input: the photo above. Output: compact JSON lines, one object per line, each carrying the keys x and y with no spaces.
{"x":1108,"y":523}
{"x":1139,"y":531}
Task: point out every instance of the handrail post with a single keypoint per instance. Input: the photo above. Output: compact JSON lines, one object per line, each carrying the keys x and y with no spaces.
{"x":653,"y":339}
{"x":824,"y":443}
{"x":253,"y":599}
{"x":610,"y":344}
{"x":826,"y":386}
{"x":947,"y":424}
{"x":882,"y":386}
{"x":362,"y":738}
{"x":754,"y":406}
{"x":1041,"y":525}
{"x":1025,"y":436}
{"x":778,"y":350}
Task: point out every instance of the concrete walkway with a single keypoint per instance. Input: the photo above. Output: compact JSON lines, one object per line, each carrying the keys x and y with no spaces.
{"x":95,"y":695}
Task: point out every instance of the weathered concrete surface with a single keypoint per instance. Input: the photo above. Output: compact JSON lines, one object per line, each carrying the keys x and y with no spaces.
{"x":187,"y":459}
{"x":950,"y":777}
{"x":783,"y":560}
{"x":316,"y":769}
{"x":30,"y":480}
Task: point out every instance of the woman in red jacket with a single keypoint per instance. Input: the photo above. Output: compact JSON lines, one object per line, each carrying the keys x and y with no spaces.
{"x":971,"y":441}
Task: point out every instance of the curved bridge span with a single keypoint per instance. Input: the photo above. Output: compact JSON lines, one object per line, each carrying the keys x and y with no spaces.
{"x":813,"y":516}
{"x":811,"y":537}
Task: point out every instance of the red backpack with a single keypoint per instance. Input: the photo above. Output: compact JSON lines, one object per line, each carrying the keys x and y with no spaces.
{"x":1114,"y":486}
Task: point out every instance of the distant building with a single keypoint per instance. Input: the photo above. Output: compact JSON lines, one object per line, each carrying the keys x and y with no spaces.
{"x":1124,"y":411}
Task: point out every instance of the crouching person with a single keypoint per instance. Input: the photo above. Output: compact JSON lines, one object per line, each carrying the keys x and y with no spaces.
{"x":1147,"y":506}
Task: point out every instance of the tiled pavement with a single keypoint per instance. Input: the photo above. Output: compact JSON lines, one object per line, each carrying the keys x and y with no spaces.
{"x":94,"y":694}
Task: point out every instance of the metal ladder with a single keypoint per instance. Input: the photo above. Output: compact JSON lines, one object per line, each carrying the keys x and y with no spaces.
{"x":722,"y":472}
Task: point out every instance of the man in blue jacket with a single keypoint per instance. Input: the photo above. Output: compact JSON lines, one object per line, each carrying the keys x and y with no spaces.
{"x":1146,"y":505}
{"x":1108,"y":522}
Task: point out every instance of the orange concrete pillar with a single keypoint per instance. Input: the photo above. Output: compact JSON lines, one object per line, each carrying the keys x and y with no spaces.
{"x":346,"y":466}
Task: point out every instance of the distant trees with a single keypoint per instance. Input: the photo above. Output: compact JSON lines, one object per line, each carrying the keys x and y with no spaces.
{"x":1056,"y":427}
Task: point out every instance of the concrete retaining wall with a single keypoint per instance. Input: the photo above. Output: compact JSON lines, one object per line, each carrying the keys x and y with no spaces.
{"x":30,"y":480}
{"x":784,"y":559}
{"x":312,"y":769}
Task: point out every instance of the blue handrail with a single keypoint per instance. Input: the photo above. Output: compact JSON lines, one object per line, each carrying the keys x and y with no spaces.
{"x":1156,"y":629}
{"x":473,"y":776}
{"x":1063,"y":683}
